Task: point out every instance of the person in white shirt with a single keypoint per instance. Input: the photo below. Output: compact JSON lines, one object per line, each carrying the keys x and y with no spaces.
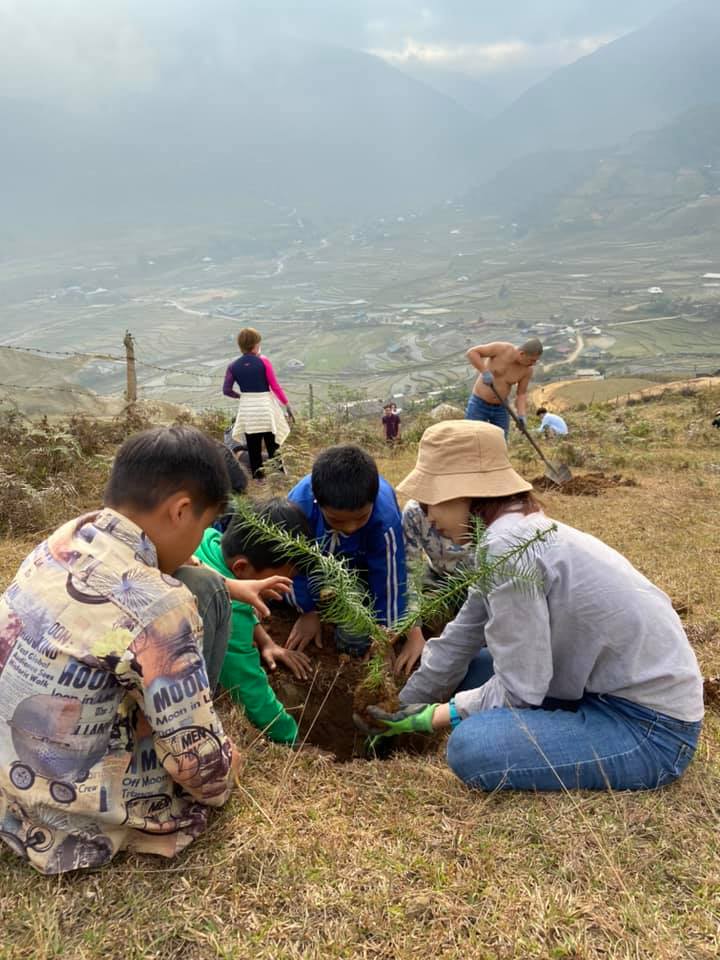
{"x":551,"y":424}
{"x":582,"y":678}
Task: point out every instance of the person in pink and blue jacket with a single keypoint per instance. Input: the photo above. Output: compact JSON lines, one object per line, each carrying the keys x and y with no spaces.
{"x":260,"y":417}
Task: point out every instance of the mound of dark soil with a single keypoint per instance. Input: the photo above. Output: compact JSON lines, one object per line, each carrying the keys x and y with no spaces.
{"x":323,"y":705}
{"x":585,"y":484}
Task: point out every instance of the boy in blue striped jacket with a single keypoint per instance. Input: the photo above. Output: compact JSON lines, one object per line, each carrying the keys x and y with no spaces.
{"x":353,"y":513}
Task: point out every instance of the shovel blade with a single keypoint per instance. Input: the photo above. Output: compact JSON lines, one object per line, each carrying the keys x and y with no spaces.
{"x":558,"y":473}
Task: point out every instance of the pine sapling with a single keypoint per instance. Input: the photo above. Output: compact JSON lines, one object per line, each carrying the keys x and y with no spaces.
{"x":516,"y":565}
{"x":345,"y":602}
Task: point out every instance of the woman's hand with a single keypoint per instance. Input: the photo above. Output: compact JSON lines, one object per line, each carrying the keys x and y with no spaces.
{"x":253,"y":592}
{"x":412,"y":718}
{"x":411,"y":651}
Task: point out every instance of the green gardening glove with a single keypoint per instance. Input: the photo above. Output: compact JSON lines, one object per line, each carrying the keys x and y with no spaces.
{"x":414,"y":718}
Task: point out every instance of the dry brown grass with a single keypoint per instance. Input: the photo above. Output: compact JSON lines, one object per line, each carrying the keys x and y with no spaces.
{"x":395,"y":859}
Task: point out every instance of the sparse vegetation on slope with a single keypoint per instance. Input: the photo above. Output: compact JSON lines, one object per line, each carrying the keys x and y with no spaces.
{"x":52,"y":470}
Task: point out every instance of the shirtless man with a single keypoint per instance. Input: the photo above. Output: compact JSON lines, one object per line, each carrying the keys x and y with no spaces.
{"x":503,"y":366}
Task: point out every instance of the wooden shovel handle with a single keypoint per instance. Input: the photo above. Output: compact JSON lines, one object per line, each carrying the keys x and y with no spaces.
{"x":522,"y":429}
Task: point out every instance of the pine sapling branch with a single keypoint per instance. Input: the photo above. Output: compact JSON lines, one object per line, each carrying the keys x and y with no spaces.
{"x":343,"y":598}
{"x":515,"y":565}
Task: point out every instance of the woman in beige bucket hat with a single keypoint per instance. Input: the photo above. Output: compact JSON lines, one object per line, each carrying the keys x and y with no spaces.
{"x":458,"y":462}
{"x":584,"y":680}
{"x":462,"y":462}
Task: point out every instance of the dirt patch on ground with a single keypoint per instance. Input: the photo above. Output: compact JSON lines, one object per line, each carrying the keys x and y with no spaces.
{"x":585,"y":484}
{"x":711,"y":692}
{"x":702,"y":633}
{"x":323,"y":705}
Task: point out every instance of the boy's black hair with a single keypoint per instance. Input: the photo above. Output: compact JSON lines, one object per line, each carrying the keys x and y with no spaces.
{"x":153,"y":465}
{"x":541,"y":411}
{"x":345,"y":477}
{"x":238,"y":477}
{"x":239,"y":541}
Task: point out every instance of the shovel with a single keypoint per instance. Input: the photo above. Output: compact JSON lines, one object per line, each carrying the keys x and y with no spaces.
{"x":558,"y":474}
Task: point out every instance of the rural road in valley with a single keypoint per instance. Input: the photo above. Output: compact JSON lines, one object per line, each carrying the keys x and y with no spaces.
{"x":570,"y":358}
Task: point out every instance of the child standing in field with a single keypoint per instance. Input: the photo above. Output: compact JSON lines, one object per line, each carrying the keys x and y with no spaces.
{"x":353,"y":513}
{"x":391,"y":423}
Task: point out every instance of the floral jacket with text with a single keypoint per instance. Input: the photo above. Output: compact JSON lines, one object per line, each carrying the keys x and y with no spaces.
{"x":108,"y":735}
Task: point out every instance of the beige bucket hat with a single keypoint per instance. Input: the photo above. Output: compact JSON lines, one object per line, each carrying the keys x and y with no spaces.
{"x":462,"y":458}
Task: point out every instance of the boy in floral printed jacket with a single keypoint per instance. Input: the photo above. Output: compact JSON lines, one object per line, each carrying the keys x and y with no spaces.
{"x":109,"y":654}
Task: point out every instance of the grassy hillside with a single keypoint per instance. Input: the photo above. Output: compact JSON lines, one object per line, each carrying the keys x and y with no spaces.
{"x":395,"y":859}
{"x":665,"y":181}
{"x":48,"y":386}
{"x":566,"y":394}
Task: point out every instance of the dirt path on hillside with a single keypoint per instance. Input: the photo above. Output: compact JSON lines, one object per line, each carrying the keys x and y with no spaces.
{"x":627,"y":323}
{"x":571,"y":357}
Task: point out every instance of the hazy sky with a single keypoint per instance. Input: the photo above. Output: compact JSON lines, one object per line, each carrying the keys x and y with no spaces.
{"x":58,"y":46}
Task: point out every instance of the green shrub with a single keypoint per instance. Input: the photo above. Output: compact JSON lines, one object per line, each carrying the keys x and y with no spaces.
{"x":570,"y":454}
{"x":640,"y":429}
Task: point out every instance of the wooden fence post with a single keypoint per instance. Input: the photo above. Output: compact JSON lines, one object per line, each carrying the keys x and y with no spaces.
{"x":131,"y":389}
{"x":311,"y":402}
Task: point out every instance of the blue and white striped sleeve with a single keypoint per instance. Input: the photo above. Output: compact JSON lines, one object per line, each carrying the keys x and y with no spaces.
{"x":387,"y":574}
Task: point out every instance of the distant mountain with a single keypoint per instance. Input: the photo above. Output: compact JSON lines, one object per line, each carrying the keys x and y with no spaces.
{"x":670,"y":176}
{"x":639,"y":82}
{"x":329,"y":131}
{"x":486,"y":96}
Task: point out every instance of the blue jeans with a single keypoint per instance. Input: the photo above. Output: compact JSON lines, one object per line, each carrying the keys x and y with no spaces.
{"x":597,"y":743}
{"x":478,"y":409}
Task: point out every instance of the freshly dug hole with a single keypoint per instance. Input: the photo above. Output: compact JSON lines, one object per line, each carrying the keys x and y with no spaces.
{"x":323,"y":705}
{"x":585,"y":484}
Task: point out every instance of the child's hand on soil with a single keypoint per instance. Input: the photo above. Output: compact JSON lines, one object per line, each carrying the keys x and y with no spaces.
{"x":305,"y":629}
{"x":297,"y":663}
{"x":411,"y":651}
{"x":253,"y":591}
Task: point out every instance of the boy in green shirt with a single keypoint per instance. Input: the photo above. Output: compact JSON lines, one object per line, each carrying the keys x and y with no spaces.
{"x":234,"y":555}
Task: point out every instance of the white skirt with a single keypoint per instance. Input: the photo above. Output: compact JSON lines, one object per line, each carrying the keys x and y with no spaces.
{"x":260,"y":413}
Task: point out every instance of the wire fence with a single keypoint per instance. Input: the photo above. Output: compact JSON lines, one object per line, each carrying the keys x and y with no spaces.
{"x":315,"y":405}
{"x":208,"y":376}
{"x":114,"y":358}
{"x":28,"y":387}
